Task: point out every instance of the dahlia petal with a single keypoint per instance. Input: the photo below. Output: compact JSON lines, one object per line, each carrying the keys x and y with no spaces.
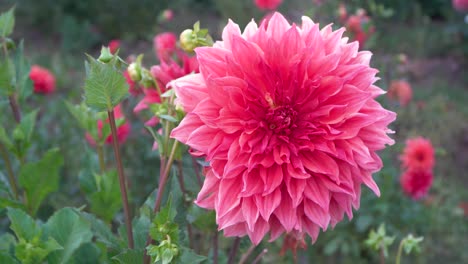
{"x":317,"y":193}
{"x":231,"y":218}
{"x":231,"y":30}
{"x":296,"y":189}
{"x":320,"y":162}
{"x":261,"y":228}
{"x":190,"y":90}
{"x":277,"y":26}
{"x":286,"y":213}
{"x":316,"y":214}
{"x":186,"y":127}
{"x":273,"y":177}
{"x":201,"y":137}
{"x":266,"y":204}
{"x":227,"y":199}
{"x":250,"y":212}
{"x":207,"y":112}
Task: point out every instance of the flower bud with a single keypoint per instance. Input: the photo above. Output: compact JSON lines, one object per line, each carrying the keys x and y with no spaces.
{"x":134,"y":71}
{"x":188,"y":40}
{"x":106,"y":55}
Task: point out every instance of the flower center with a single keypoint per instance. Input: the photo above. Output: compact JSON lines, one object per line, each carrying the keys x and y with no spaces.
{"x":281,"y":119}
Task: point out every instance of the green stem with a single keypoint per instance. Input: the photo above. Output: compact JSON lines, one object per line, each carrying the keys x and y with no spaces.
{"x":234,"y":249}
{"x":163,"y":178}
{"x":11,"y":175}
{"x":400,"y":250}
{"x":15,"y":107}
{"x":100,"y":152}
{"x":122,"y":180}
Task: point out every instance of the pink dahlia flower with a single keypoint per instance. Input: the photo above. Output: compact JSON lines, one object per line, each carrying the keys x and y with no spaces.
{"x":287,"y":118}
{"x":416,"y":183}
{"x":268,"y":4}
{"x":114,"y":45}
{"x":43,"y":80}
{"x":418,"y":154}
{"x":401,"y":91}
{"x":165,"y":45}
{"x":460,"y":5}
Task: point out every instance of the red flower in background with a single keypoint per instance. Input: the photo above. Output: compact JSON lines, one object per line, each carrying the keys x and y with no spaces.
{"x":287,"y":118}
{"x":165,"y":45}
{"x":133,"y":86}
{"x":418,"y":154}
{"x":342,"y":13}
{"x":168,"y":15}
{"x":123,"y":131}
{"x":114,"y":45}
{"x":460,"y":5}
{"x":416,"y":183}
{"x":268,"y":4}
{"x":43,"y":80}
{"x":359,"y":25}
{"x":401,"y":91}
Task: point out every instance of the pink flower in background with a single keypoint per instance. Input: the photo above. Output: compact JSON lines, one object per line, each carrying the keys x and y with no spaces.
{"x":342,"y":13}
{"x":133,"y":87}
{"x":114,"y":45}
{"x":165,"y":45}
{"x":123,"y":131}
{"x":460,"y":5}
{"x":168,"y":15}
{"x":43,"y":80}
{"x":416,"y":183}
{"x":359,"y":25}
{"x":287,"y":118}
{"x":418,"y":154}
{"x":268,"y":4}
{"x":401,"y":91}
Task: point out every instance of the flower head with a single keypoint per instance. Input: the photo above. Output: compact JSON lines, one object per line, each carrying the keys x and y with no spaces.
{"x":114,"y":45}
{"x":43,"y":80}
{"x":401,"y":91}
{"x":416,"y":183}
{"x":418,"y":154}
{"x":123,"y":131}
{"x":460,"y":5}
{"x":268,"y":4}
{"x":168,"y":15}
{"x":287,"y":118}
{"x":360,"y":27}
{"x":165,"y":45}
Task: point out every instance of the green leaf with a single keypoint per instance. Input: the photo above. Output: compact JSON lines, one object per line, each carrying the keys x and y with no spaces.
{"x":27,"y":125}
{"x":70,"y":230}
{"x":7,"y":259}
{"x":168,"y":118}
{"x":7,"y":241}
{"x":106,"y":201}
{"x":102,"y":231}
{"x":105,"y":86}
{"x":5,"y":202}
{"x":130,"y":256}
{"x":41,"y":178}
{"x":141,"y":227}
{"x":34,"y":251}
{"x":22,"y":69}
{"x":84,"y":115}
{"x":7,"y":72}
{"x":4,"y":139}
{"x":86,"y":254}
{"x":189,"y":256}
{"x":22,"y":224}
{"x":7,"y":22}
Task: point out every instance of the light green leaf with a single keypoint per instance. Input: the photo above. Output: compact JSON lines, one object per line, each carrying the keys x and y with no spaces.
{"x":7,"y":22}
{"x":4,"y":139}
{"x":5,"y":202}
{"x":22,"y":69}
{"x":41,"y":178}
{"x":22,"y":224}
{"x":7,"y":240}
{"x":105,"y":86}
{"x":130,"y":256}
{"x":70,"y":230}
{"x":106,"y":201}
{"x":27,"y":125}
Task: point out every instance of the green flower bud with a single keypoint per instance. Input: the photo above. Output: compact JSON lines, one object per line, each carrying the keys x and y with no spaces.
{"x":134,"y":71}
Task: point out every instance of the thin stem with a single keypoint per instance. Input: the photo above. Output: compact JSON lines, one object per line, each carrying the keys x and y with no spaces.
{"x":163,"y":178}
{"x":247,"y":254}
{"x":382,"y":256}
{"x":197,"y":172}
{"x":100,"y":152}
{"x":260,"y":256}
{"x":15,"y":107}
{"x":234,"y":249}
{"x":11,"y":175}
{"x":215,"y":247}
{"x":122,"y":180}
{"x":180,"y":177}
{"x":400,"y":250}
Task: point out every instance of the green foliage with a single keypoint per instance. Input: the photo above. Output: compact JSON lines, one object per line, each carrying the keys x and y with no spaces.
{"x":7,"y":22}
{"x":129,"y":256}
{"x":105,"y":200}
{"x":40,"y":178}
{"x":105,"y":86}
{"x":22,"y":68}
{"x":412,"y":244}
{"x":379,"y":240}
{"x":102,"y":231}
{"x":32,"y":246}
{"x":70,"y":230}
{"x":6,"y":77}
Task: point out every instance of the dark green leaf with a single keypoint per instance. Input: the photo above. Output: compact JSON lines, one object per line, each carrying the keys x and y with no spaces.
{"x":86,"y":254}
{"x":5,"y":202}
{"x":106,"y":201}
{"x":130,"y":256}
{"x":102,"y":231}
{"x":22,"y":69}
{"x":7,"y":22}
{"x":41,"y":178}
{"x":7,"y":259}
{"x":189,"y":256}
{"x":141,"y":227}
{"x":70,"y":230}
{"x":7,"y":72}
{"x":105,"y":87}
